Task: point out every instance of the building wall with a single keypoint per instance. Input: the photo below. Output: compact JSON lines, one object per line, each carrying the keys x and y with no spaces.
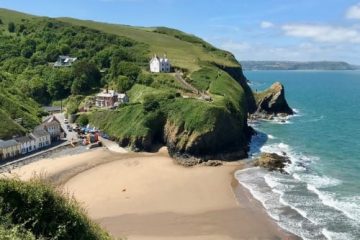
{"x":28,"y":147}
{"x":155,"y":66}
{"x":10,"y":152}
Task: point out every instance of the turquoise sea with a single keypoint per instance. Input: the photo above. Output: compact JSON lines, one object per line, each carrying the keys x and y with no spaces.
{"x":320,"y":196}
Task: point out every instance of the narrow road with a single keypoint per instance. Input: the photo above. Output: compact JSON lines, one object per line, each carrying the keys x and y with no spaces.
{"x":185,"y":83}
{"x":70,"y":136}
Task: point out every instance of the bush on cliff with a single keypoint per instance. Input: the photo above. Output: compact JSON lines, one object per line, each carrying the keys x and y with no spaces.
{"x":35,"y":209}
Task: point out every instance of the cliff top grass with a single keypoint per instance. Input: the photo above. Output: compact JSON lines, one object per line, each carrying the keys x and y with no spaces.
{"x":182,"y":52}
{"x":36,"y":210}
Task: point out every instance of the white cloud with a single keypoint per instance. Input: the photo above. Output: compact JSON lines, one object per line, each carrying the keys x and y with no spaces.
{"x":266,"y":24}
{"x":323,"y":33}
{"x":353,"y":12}
{"x":304,"y":51}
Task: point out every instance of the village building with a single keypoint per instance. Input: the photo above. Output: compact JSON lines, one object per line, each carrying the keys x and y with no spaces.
{"x":64,"y":61}
{"x":158,"y":65}
{"x":41,"y":137}
{"x":123,"y":98}
{"x":106,"y":98}
{"x":52,"y":109}
{"x":27,"y":144}
{"x":9,"y":149}
{"x":110,"y":98}
{"x":53,"y":127}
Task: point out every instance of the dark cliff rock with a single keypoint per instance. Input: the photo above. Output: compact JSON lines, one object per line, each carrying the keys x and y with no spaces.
{"x":272,"y":101}
{"x":272,"y":161}
{"x":228,"y":140}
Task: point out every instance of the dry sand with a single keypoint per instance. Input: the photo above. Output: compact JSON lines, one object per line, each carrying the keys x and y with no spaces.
{"x":148,"y":196}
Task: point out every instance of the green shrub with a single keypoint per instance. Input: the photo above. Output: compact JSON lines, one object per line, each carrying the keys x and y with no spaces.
{"x":82,"y":120}
{"x":11,"y":27}
{"x":45,"y":212}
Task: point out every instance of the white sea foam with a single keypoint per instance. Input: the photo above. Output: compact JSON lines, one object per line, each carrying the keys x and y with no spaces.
{"x":266,"y":188}
{"x":296,"y":111}
{"x":271,"y":136}
{"x":317,"y":181}
{"x":337,"y":235}
{"x":295,"y":191}
{"x":350,"y":206}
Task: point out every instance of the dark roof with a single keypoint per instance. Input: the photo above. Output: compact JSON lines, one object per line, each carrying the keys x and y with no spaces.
{"x":23,"y":139}
{"x":40,"y":133}
{"x":8,"y":143}
{"x":52,"y":109}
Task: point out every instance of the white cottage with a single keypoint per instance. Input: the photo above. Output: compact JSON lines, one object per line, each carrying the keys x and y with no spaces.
{"x":52,"y":126}
{"x":158,"y":65}
{"x":9,"y":149}
{"x":42,"y":138}
{"x":27,"y":144}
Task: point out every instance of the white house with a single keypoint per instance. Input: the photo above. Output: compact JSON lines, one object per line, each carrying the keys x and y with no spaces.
{"x":27,"y":144}
{"x":42,"y":138}
{"x":160,"y":64}
{"x":52,"y":126}
{"x":64,"y":61}
{"x":9,"y":149}
{"x":123,"y":98}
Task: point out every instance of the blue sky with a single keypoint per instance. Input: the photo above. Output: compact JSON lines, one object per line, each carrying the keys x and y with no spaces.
{"x":252,"y":29}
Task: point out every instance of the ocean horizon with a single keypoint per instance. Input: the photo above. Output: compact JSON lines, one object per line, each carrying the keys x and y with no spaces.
{"x":319,"y":197}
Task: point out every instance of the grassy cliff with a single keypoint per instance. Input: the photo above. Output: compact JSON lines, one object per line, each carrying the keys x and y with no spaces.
{"x":206,"y":120}
{"x":188,"y":126}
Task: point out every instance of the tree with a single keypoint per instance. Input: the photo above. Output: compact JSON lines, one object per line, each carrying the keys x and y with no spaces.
{"x":87,"y":76}
{"x":27,"y":52}
{"x":11,"y":27}
{"x":52,"y":53}
{"x":130,"y":70}
{"x":1,"y":22}
{"x":79,"y":85}
{"x":150,"y":103}
{"x":123,"y":83}
{"x":83,"y":120}
{"x":59,"y":83}
{"x":145,"y":79}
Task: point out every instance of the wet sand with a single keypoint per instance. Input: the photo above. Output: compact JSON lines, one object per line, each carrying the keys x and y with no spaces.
{"x":148,"y":196}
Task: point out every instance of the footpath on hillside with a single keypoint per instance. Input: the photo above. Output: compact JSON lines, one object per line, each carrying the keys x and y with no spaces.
{"x":187,"y":85}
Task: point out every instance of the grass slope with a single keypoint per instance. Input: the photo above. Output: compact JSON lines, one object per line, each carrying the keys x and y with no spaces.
{"x":15,"y":105}
{"x":7,"y":16}
{"x":183,"y":54}
{"x":36,"y":210}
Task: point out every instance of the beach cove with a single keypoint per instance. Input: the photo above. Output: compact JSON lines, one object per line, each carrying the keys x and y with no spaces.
{"x":149,"y":196}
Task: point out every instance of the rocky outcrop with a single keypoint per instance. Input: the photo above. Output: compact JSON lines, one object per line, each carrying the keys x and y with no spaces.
{"x":272,"y":161}
{"x":272,"y":102}
{"x":228,"y":140}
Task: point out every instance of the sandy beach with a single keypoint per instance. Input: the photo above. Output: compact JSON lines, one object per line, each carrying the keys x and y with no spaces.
{"x":148,"y":196}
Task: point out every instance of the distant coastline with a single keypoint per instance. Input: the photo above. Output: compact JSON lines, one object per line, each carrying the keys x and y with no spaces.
{"x":292,"y":65}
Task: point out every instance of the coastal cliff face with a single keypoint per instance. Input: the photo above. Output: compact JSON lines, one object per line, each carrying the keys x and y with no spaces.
{"x":228,"y":140}
{"x":272,"y":101}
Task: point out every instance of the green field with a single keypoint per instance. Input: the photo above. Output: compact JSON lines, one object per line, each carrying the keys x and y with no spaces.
{"x":181,"y":53}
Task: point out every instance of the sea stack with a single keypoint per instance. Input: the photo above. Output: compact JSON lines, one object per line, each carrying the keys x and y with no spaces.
{"x":272,"y":101}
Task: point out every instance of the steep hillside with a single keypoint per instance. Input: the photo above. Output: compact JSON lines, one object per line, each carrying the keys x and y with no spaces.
{"x":207,"y":120}
{"x":186,"y":51}
{"x":14,"y":105}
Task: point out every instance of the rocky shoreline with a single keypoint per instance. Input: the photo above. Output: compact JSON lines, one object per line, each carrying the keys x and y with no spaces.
{"x":223,"y":143}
